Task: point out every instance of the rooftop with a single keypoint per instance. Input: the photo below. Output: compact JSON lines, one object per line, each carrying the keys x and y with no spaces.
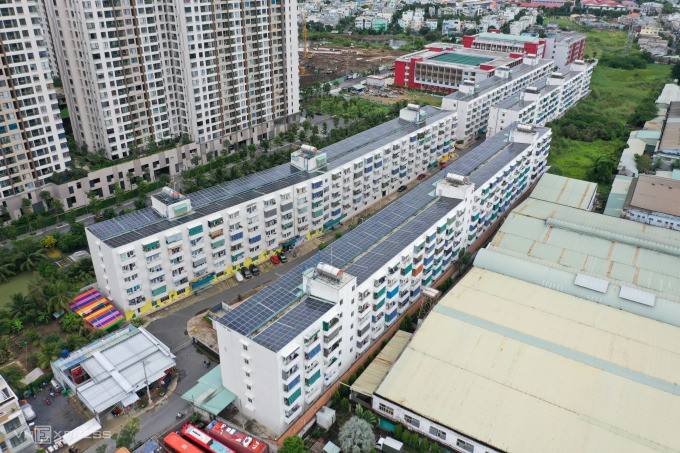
{"x":485,"y":86}
{"x":515,"y":101}
{"x":655,"y":194}
{"x":617,"y":196}
{"x":529,"y":359}
{"x":374,"y":374}
{"x":670,"y":136}
{"x":628,"y":265}
{"x":507,"y":37}
{"x":118,"y":365}
{"x":565,"y":191}
{"x":467,"y":60}
{"x":365,"y":249}
{"x":147,"y":222}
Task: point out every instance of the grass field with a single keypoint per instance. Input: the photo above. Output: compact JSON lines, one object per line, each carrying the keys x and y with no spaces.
{"x":615,"y":93}
{"x":16,"y":284}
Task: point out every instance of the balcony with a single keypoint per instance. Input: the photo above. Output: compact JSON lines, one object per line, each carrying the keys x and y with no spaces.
{"x":292,"y":412}
{"x":290,"y":358}
{"x":327,"y":352}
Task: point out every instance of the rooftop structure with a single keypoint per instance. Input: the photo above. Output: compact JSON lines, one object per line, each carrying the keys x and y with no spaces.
{"x":566,"y":191}
{"x":615,"y":262}
{"x":500,"y":362}
{"x":374,"y":374}
{"x":670,"y":137}
{"x":617,"y":196}
{"x":499,"y":42}
{"x":655,"y":201}
{"x":442,"y":69}
{"x":115,"y":369}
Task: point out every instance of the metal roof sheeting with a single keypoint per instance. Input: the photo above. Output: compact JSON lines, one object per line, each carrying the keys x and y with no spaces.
{"x":374,"y":374}
{"x":565,"y":191}
{"x":536,"y":370}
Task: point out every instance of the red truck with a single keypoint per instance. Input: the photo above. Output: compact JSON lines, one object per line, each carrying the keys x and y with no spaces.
{"x":238,"y":441}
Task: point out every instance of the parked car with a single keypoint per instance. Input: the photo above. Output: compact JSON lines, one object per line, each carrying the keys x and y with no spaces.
{"x":239,"y":277}
{"x":443,"y":165}
{"x":255,"y":270}
{"x":275,"y":259}
{"x":246,"y":272}
{"x":27,"y":409}
{"x":401,"y":188}
{"x":422,"y":176}
{"x":283,"y":257}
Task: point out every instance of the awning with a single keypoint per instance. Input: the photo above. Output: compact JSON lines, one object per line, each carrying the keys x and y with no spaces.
{"x":203,"y":280}
{"x":32,"y":376}
{"x":129,"y":399}
{"x":332,"y":223}
{"x":289,"y":242}
{"x":208,"y":394}
{"x":81,"y":432}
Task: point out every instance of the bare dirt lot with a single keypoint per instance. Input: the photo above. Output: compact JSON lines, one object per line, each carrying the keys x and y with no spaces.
{"x":324,"y":64}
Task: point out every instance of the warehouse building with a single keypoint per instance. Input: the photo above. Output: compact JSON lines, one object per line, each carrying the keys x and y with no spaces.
{"x":653,"y":200}
{"x":473,"y":100}
{"x":570,"y":319}
{"x":149,"y":258}
{"x":281,"y":348}
{"x":545,"y":100}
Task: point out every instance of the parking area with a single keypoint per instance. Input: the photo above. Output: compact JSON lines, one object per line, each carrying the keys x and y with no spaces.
{"x":63,"y":414}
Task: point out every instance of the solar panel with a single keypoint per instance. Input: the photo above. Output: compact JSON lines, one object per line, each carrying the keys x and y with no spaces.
{"x":389,"y":223}
{"x":290,"y":325}
{"x":129,"y":228}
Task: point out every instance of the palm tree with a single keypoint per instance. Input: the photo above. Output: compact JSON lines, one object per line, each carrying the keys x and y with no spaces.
{"x":47,"y":354}
{"x":27,"y":258}
{"x":61,"y":296}
{"x":19,"y":306}
{"x":6,"y":271}
{"x":366,"y":414}
{"x":16,"y":326}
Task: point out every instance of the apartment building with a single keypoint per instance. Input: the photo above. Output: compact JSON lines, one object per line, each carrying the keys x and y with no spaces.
{"x":137,"y":73}
{"x":441,"y":68}
{"x":564,"y":48}
{"x":15,"y":436}
{"x":32,"y":135}
{"x":473,"y":100}
{"x":543,"y":101}
{"x":323,"y":314}
{"x":149,"y":258}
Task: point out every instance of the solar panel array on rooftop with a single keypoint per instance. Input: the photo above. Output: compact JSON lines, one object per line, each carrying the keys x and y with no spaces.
{"x":290,"y":325}
{"x":146,"y":222}
{"x":456,"y":58}
{"x":269,"y":302}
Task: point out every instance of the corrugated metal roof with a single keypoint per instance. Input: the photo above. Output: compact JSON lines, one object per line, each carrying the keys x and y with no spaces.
{"x":374,"y":374}
{"x":617,"y":196}
{"x":537,"y":370}
{"x":656,"y":194}
{"x":565,"y":191}
{"x":576,"y":241}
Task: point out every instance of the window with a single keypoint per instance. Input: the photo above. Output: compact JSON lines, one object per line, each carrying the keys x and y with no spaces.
{"x":249,"y":387}
{"x":247,"y":374}
{"x":246,"y":361}
{"x":412,"y":421}
{"x":437,"y":433}
{"x":386,"y":409}
{"x":18,"y":439}
{"x":250,"y":400}
{"x":12,"y":425}
{"x":245,"y":347}
{"x":467,"y":446}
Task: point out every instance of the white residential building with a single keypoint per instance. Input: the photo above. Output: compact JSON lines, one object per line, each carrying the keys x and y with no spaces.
{"x":322,"y":315}
{"x":32,"y":138}
{"x":15,"y":435}
{"x":543,"y":101}
{"x":148,"y":73}
{"x":154,"y":256}
{"x":473,"y":101}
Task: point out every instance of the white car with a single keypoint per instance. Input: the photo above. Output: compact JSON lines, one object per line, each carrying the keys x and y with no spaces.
{"x":29,"y":413}
{"x":239,"y":277}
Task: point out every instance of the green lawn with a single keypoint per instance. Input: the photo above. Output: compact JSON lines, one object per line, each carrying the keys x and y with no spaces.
{"x":615,"y":93}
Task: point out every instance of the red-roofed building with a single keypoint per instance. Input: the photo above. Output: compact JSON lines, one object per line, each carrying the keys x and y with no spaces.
{"x":605,"y":5}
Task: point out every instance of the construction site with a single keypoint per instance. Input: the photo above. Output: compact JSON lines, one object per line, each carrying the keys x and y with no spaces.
{"x":324,"y":64}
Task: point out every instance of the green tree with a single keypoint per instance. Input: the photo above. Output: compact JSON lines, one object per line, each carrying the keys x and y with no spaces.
{"x":59,"y":296}
{"x":292,"y":444}
{"x":644,"y":163}
{"x":602,"y":169}
{"x":675,"y":71}
{"x":48,"y":353}
{"x":126,"y":436}
{"x":6,"y":271}
{"x":16,"y":325}
{"x":72,"y":323}
{"x":119,"y":194}
{"x":95,"y":204}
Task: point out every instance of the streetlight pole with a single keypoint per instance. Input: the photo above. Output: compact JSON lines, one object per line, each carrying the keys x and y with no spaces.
{"x":146,"y":381}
